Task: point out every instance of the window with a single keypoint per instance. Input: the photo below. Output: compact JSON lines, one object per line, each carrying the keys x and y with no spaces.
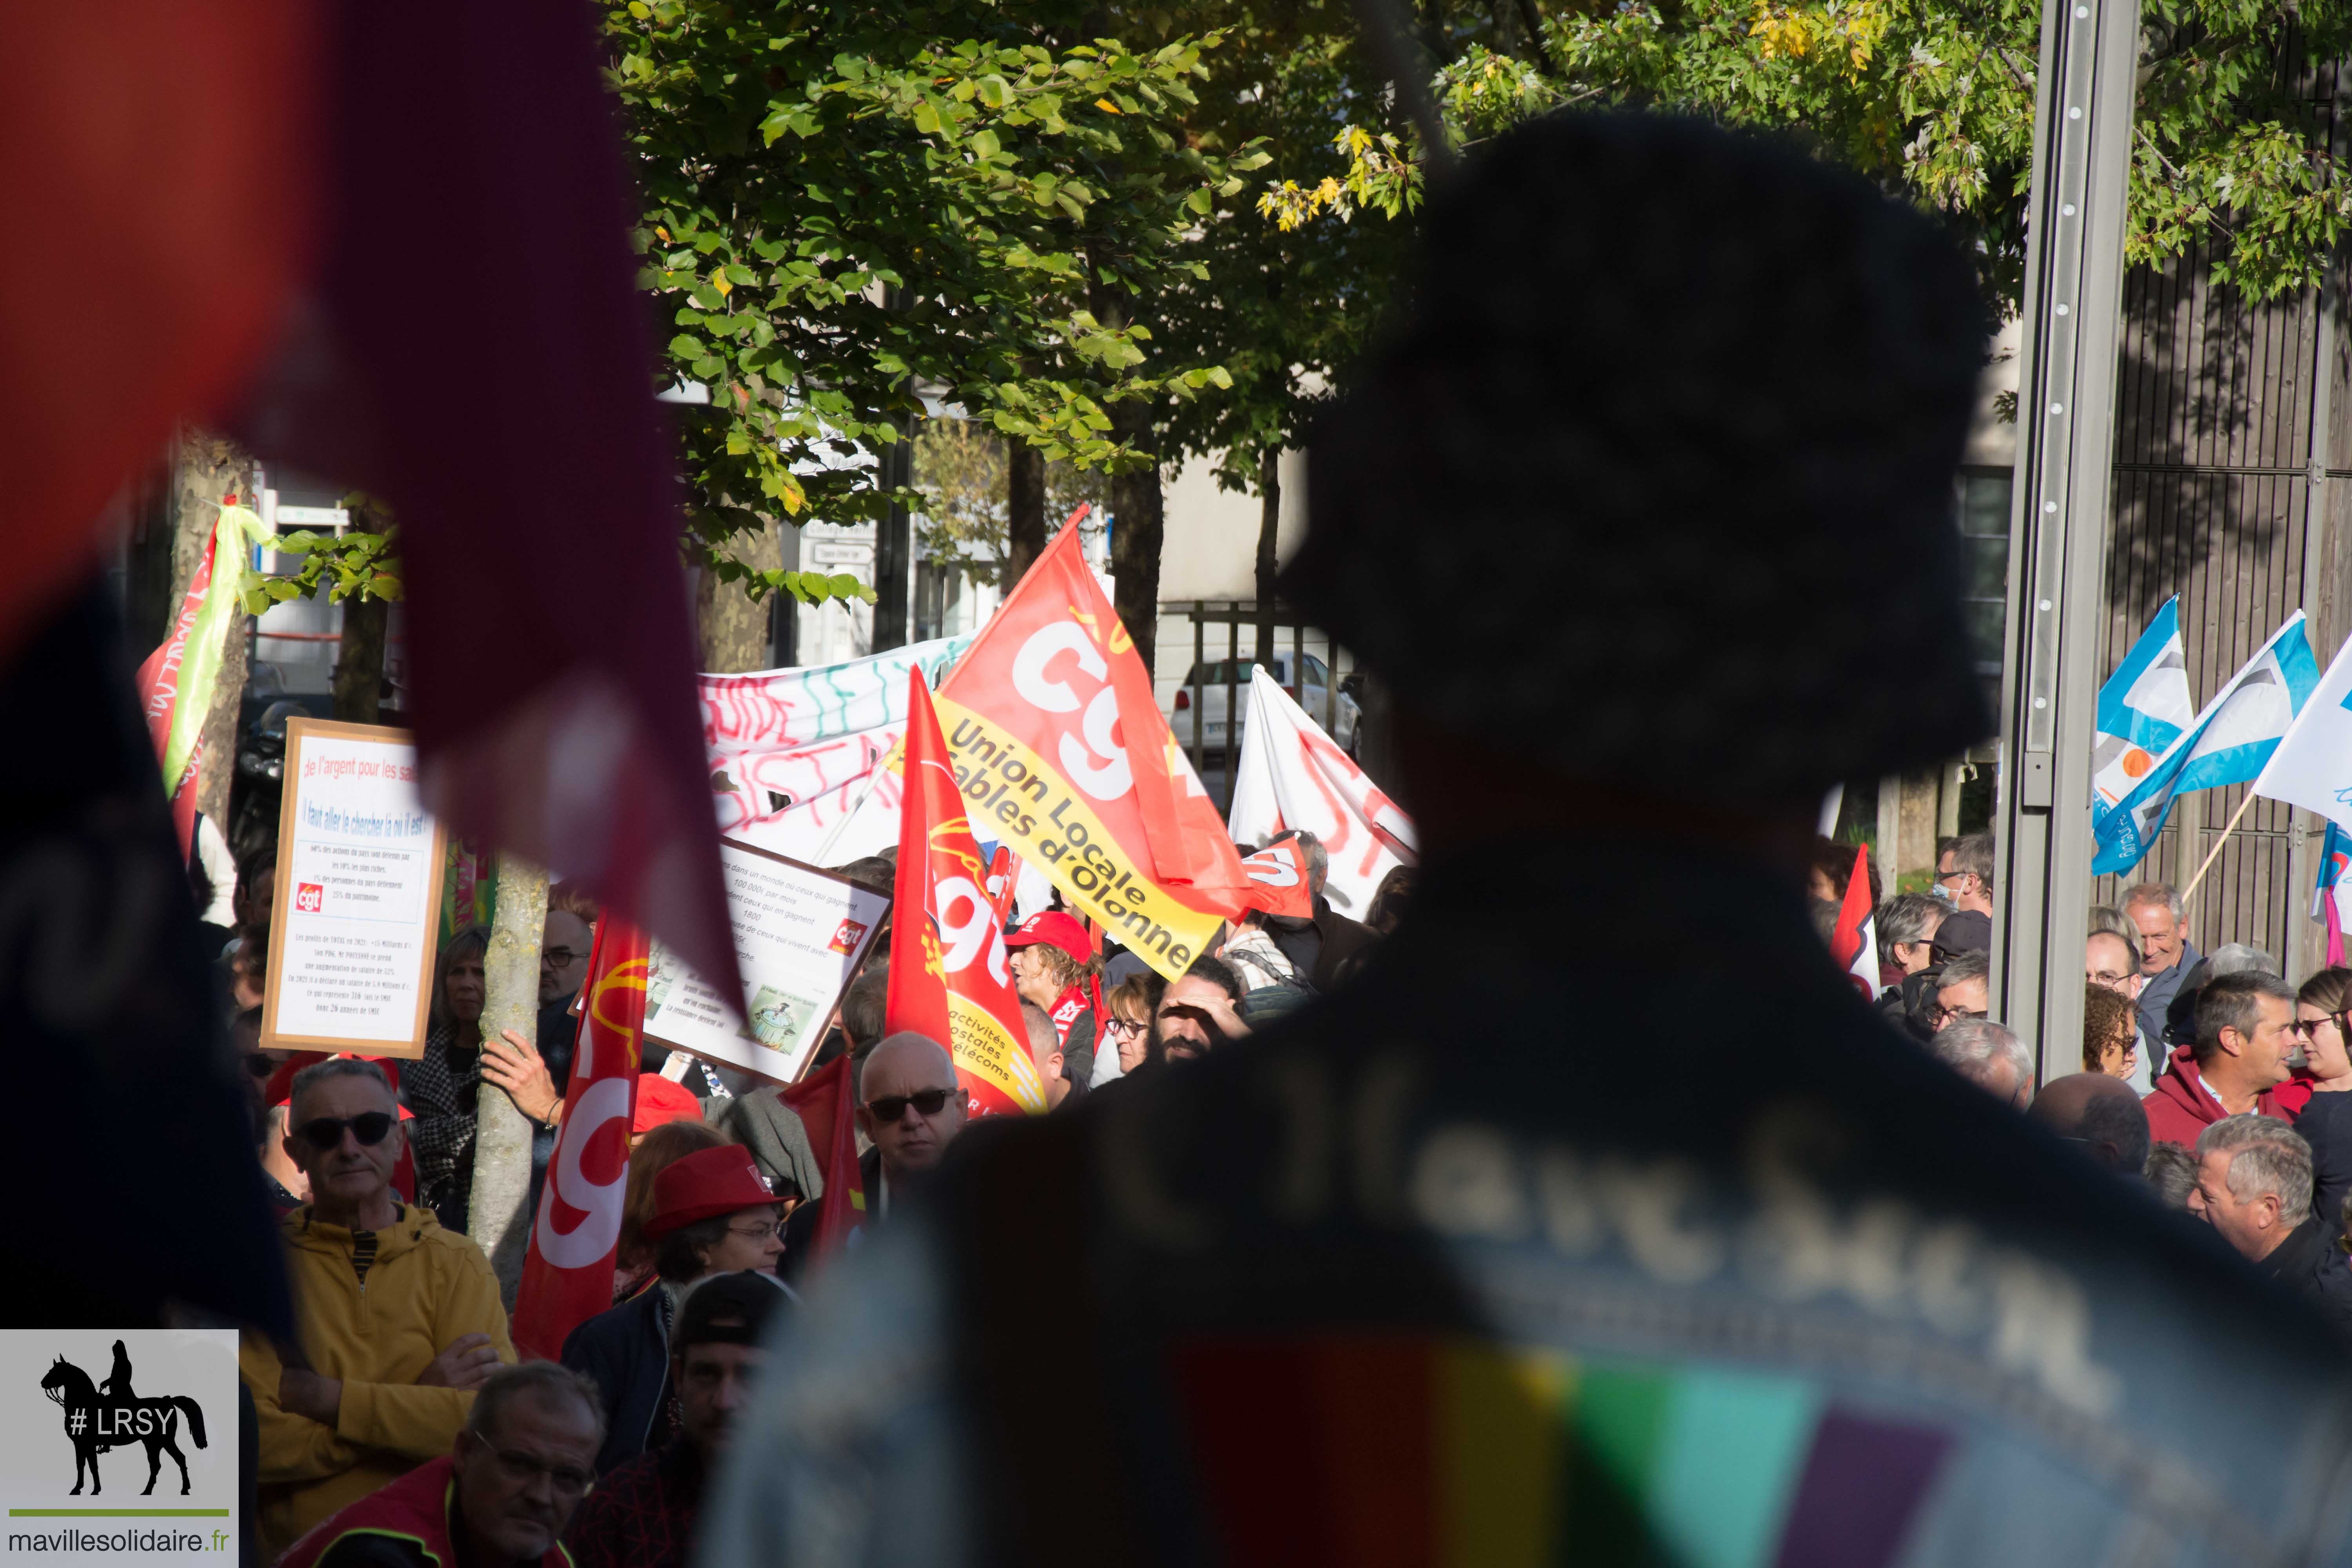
{"x":1982,"y":505}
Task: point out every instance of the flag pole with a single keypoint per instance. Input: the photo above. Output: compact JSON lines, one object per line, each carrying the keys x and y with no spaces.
{"x":2191,"y":891}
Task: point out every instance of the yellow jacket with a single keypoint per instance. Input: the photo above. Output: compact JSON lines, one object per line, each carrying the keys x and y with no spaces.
{"x":426,"y":1286}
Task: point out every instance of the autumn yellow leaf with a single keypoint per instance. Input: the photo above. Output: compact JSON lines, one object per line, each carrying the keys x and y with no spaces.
{"x":1106,"y":106}
{"x":718,"y":282}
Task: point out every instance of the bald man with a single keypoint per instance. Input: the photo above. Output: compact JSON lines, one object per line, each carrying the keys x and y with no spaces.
{"x":1045,"y":1050}
{"x":2099,"y":1112}
{"x":910,"y":1106}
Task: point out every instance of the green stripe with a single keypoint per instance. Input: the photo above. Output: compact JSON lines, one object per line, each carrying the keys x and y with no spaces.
{"x":118,"y":1513}
{"x":1616,"y":1427}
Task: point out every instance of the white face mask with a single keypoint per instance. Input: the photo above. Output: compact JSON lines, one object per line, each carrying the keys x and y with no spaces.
{"x":1941,"y":894}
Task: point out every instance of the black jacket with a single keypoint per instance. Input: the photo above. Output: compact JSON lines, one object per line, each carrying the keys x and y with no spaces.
{"x":2326,"y":1125}
{"x":627,"y":1350}
{"x":799,"y":1226}
{"x":1316,"y":948}
{"x":2309,"y":1263}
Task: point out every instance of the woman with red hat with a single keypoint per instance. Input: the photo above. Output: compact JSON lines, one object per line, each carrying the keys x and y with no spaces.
{"x":713,"y":1214}
{"x":1053,"y":965}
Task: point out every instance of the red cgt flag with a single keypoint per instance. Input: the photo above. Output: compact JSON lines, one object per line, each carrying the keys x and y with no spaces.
{"x":1060,"y":749}
{"x":949,"y":975}
{"x":1853,"y":940}
{"x":825,"y":1102}
{"x":567,"y":1276}
{"x":1279,"y":873}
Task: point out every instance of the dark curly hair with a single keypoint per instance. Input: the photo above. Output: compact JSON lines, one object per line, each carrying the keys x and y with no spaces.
{"x":1708,"y":396}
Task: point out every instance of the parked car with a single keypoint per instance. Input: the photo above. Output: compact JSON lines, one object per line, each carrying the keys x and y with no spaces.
{"x":1333,"y":707}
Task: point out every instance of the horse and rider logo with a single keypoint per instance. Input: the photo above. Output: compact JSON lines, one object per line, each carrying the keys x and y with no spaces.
{"x":112,"y":1417}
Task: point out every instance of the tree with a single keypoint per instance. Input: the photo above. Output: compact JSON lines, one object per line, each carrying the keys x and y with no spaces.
{"x":850,"y":209}
{"x":968,"y":477}
{"x":1930,"y":98}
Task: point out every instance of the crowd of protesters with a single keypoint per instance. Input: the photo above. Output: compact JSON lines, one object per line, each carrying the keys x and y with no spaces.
{"x":2213,"y":1057}
{"x":402,"y":1386}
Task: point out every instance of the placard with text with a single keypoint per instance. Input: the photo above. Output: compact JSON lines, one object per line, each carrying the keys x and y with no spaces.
{"x":358,"y":895}
{"x":800,"y":934}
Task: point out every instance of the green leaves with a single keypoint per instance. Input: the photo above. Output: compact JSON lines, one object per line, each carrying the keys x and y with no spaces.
{"x":929,"y":200}
{"x":362,"y":563}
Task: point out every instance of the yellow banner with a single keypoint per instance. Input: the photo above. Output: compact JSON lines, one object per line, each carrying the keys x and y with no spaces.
{"x":1011,"y":795}
{"x":981,"y":1049}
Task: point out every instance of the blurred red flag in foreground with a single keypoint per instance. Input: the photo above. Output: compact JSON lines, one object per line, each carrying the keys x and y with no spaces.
{"x":950,"y":977}
{"x":168,"y":146}
{"x":567,"y":1274}
{"x":506,"y":411}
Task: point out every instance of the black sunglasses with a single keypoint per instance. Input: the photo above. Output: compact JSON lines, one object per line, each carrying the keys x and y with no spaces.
{"x":327,"y":1132}
{"x":891,"y":1107}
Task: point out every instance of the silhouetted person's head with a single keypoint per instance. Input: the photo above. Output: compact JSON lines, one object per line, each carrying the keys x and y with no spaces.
{"x":1651,"y":486}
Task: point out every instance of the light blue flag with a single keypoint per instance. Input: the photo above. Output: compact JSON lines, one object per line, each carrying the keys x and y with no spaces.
{"x":2228,"y":743}
{"x":2143,"y":708}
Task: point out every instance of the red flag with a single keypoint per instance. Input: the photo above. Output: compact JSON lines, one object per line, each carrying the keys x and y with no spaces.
{"x":567,"y":1276}
{"x":949,"y":975}
{"x":1278,"y":877}
{"x":1854,"y":942}
{"x":1003,"y":881}
{"x":826,"y":1101}
{"x":1060,"y":747}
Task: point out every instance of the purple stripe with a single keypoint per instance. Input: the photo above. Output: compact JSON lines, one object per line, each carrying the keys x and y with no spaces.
{"x":1862,"y":1485}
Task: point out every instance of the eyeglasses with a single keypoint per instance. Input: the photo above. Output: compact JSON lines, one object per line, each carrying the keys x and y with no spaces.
{"x":1942,"y":1014}
{"x":1950,"y":875}
{"x":561,"y":957}
{"x":927,"y":1102}
{"x":1128,"y":1026}
{"x":2306,"y":1026}
{"x":522,"y":1469}
{"x":327,"y":1132}
{"x":758,"y":1232}
{"x":2107,"y":977}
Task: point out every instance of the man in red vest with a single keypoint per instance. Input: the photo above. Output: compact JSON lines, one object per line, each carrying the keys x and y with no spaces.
{"x":522,"y":1465}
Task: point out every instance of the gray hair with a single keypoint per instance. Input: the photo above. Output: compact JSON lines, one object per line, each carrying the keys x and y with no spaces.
{"x":2266,"y":1155}
{"x":1974,"y":965}
{"x":1907,"y":918}
{"x":2239,"y":958}
{"x":1317,"y":858}
{"x":1973,"y":852}
{"x":545,"y":1379}
{"x":1985,"y":1052}
{"x":2171,"y":1174}
{"x":2106,"y":917}
{"x":2153,"y":894}
{"x":333,"y":1068}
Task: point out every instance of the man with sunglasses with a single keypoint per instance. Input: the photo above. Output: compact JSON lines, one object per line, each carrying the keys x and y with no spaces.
{"x":397,"y":1321}
{"x":910,"y":1106}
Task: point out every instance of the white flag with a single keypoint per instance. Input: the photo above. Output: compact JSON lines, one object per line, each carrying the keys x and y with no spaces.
{"x":2312,"y":766}
{"x":1292,"y":778}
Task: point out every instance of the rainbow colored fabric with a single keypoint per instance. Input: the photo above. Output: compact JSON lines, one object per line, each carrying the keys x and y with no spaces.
{"x":1412,"y":1452}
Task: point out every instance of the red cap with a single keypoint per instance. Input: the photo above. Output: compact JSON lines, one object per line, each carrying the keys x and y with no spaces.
{"x":1054,"y":929}
{"x":660,"y":1100}
{"x":706,"y":1182}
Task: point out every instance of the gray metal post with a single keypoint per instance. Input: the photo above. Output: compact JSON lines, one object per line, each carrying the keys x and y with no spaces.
{"x":2058,"y":525}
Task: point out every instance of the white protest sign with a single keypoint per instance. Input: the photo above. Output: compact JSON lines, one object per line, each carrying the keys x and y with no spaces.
{"x":800,"y":935}
{"x":2312,"y":766}
{"x":358,"y":894}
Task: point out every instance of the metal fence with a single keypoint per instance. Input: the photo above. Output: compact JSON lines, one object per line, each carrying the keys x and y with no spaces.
{"x":1222,"y":662}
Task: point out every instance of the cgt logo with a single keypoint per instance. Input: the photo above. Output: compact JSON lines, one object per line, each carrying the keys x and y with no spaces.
{"x":113,"y":1416}
{"x":848,"y":935}
{"x":310,"y":898}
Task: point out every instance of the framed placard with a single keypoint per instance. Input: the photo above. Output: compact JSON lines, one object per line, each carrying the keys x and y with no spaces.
{"x":352,"y":931}
{"x":800,"y":934}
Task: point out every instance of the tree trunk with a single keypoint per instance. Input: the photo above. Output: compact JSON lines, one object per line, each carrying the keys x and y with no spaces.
{"x":1024,"y":499}
{"x":358,"y":661}
{"x":499,"y":1222}
{"x":207,"y":470}
{"x":734,"y":634}
{"x":1135,"y":523}
{"x":1269,"y":519}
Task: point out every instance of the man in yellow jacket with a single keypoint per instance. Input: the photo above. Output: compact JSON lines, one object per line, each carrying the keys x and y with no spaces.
{"x":397,"y":1321}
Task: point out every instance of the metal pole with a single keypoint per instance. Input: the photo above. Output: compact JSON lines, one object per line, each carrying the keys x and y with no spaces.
{"x":2058,"y":524}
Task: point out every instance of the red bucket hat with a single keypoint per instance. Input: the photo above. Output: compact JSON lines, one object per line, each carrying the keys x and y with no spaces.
{"x":660,"y":1100}
{"x":706,"y":1182}
{"x":1054,"y":929}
